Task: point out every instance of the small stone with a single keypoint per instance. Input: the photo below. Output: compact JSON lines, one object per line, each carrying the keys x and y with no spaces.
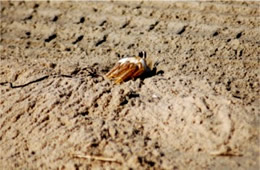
{"x":52,"y":65}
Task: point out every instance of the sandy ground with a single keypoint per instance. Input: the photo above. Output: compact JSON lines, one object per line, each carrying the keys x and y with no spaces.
{"x":200,"y":110}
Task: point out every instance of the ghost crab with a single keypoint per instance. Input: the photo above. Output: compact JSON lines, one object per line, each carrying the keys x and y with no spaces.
{"x":130,"y":68}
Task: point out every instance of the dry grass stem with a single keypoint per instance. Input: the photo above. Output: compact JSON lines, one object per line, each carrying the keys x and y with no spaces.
{"x":100,"y":158}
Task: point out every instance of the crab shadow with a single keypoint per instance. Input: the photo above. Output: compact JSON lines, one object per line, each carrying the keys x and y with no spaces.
{"x":151,"y":73}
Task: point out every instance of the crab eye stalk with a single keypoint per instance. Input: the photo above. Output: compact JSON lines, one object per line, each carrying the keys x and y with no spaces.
{"x":142,"y":54}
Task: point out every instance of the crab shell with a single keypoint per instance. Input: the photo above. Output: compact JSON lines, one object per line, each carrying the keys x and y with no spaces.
{"x":128,"y":68}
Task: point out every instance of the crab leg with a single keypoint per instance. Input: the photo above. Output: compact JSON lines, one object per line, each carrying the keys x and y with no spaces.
{"x":111,"y":72}
{"x":139,"y":71}
{"x":120,"y":71}
{"x":126,"y":74}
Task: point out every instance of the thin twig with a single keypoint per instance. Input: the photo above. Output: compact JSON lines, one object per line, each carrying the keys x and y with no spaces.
{"x":31,"y":82}
{"x":91,"y":72}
